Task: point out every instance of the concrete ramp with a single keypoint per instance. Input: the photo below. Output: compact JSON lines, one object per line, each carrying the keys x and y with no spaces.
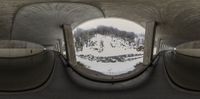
{"x":25,"y":73}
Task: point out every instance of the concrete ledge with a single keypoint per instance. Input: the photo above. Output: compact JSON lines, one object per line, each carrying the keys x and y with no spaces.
{"x":189,"y":48}
{"x":15,"y":48}
{"x":189,"y":52}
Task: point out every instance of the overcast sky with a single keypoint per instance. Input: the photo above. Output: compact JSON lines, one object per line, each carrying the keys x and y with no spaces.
{"x":121,"y":24}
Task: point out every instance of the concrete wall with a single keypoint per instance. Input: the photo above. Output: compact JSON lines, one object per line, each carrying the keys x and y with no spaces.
{"x":18,"y":44}
{"x":192,"y":44}
{"x":13,"y":52}
{"x":14,"y":48}
{"x":189,"y":48}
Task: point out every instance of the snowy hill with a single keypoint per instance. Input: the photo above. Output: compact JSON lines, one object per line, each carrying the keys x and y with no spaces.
{"x":109,"y":55}
{"x":108,"y":46}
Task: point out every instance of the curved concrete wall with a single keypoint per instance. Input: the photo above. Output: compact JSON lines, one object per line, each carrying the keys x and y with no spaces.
{"x":41,"y":23}
{"x":190,"y":48}
{"x":15,"y":48}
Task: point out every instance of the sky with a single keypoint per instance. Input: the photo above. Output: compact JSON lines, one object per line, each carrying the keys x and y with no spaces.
{"x":121,"y":24}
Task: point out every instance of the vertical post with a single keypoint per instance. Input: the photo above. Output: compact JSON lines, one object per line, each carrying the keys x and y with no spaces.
{"x":161,"y":44}
{"x":164,"y":47}
{"x":60,"y":46}
{"x":56,"y":47}
{"x":158,"y":46}
{"x":69,"y":44}
{"x":149,"y":42}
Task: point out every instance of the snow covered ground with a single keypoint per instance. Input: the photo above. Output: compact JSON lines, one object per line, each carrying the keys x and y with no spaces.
{"x":106,"y":46}
{"x":116,"y":68}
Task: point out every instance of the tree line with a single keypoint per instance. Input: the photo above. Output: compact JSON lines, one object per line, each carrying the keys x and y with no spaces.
{"x":82,"y":36}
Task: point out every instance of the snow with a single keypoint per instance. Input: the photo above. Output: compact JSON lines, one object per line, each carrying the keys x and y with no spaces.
{"x":108,"y":50}
{"x":103,"y":48}
{"x":116,"y":68}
